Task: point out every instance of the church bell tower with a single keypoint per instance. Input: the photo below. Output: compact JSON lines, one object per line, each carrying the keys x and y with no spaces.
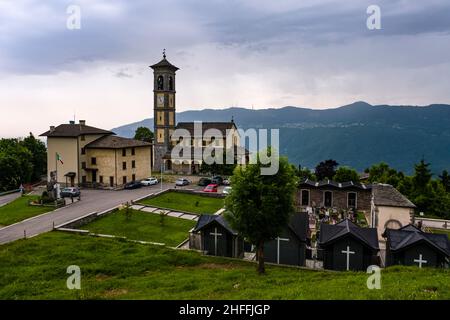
{"x":163,"y":109}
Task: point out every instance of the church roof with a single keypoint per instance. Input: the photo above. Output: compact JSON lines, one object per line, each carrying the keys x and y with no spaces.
{"x":207,"y":219}
{"x":74,"y":130}
{"x":221,"y":126}
{"x":330,"y":233}
{"x":334,"y":184}
{"x":387,"y":195}
{"x":164,"y":63}
{"x":115,"y":142}
{"x":408,"y":236}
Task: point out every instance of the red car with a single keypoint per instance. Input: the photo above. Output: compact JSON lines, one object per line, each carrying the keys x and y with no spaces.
{"x":211,"y":188}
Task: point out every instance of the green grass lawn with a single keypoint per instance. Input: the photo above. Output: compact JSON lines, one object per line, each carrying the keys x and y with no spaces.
{"x":19,"y":210}
{"x":185,"y":202}
{"x":112,"y":269}
{"x":143,"y":226}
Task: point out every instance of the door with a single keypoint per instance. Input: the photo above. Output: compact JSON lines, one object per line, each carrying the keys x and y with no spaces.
{"x":72,"y":181}
{"x":328,"y":199}
{"x":94,"y":176}
{"x":111,"y":181}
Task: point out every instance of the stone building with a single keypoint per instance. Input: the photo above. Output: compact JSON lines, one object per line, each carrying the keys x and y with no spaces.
{"x":195,"y":137}
{"x":382,"y":205}
{"x":81,"y":155}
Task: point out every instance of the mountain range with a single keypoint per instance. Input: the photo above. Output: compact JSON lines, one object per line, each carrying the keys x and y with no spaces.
{"x":356,"y":135}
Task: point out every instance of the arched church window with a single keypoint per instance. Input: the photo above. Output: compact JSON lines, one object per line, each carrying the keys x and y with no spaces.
{"x":170,"y":83}
{"x":160,"y":83}
{"x":392,"y":224}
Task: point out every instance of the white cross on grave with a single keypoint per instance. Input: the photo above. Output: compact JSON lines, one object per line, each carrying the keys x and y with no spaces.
{"x":215,"y":234}
{"x":278,"y":247}
{"x":348,"y":253}
{"x":420,"y":261}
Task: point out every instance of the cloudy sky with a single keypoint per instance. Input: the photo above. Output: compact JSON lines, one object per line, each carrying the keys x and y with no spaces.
{"x":259,"y":53}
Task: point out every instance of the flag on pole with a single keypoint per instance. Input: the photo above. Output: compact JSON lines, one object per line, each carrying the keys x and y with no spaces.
{"x":59,"y":158}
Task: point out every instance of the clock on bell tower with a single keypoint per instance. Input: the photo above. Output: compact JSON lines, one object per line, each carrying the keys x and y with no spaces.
{"x":164,"y":108}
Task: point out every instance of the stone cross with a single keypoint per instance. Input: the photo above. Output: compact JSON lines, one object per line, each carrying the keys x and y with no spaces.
{"x":420,"y":261}
{"x":215,"y":234}
{"x":278,"y":247}
{"x":348,"y":253}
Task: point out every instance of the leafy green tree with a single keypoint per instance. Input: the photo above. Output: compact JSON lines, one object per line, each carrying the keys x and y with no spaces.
{"x":16,"y":165}
{"x":445,"y":180}
{"x":304,"y":173}
{"x":326,"y":169}
{"x":144,"y":134}
{"x":39,"y":156}
{"x":344,"y":174}
{"x":382,"y":173}
{"x":259,"y":206}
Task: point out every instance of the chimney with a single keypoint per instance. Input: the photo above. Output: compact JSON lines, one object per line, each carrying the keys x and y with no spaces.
{"x":52,"y":128}
{"x":82,"y":122}
{"x":71,"y":122}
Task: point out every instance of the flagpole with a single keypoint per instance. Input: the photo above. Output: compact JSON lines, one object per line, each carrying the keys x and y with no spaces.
{"x":56,"y":164}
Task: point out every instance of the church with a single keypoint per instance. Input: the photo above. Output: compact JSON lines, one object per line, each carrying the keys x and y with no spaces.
{"x":196,"y":137}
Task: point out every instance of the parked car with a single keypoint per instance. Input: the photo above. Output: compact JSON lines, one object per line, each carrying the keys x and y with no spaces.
{"x":217,"y":180}
{"x":203,"y":182}
{"x":70,"y":192}
{"x":226,"y":190}
{"x":182,"y":182}
{"x":211,"y":188}
{"x":149,"y":181}
{"x":132,"y":185}
{"x":226,"y":182}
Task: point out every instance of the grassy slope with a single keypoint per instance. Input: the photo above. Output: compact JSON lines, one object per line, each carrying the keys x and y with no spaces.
{"x":187,"y":202}
{"x":36,"y":269}
{"x":19,"y":210}
{"x":143,"y":226}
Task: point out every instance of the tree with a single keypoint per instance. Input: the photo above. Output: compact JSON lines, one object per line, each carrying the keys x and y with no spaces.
{"x":445,"y":180}
{"x":344,"y":174}
{"x":422,"y":175}
{"x":38,"y":156}
{"x":304,"y":173}
{"x":16,"y":166}
{"x":143,"y":134}
{"x":382,"y":173}
{"x":259,"y":206}
{"x":326,"y":169}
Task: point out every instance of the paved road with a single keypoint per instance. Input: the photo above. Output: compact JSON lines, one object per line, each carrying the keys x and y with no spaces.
{"x":8,"y":198}
{"x":91,"y":200}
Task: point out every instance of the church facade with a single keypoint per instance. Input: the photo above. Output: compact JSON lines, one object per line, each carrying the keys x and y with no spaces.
{"x":194,"y":138}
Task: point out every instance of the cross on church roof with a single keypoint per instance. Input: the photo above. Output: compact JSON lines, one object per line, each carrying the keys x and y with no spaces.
{"x":164,"y":53}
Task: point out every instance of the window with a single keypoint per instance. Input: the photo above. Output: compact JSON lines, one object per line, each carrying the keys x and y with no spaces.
{"x":328,"y":199}
{"x":133,"y":164}
{"x":83,"y":151}
{"x":93,"y":161}
{"x":124,"y":152}
{"x":170,"y":83}
{"x":351,"y":200}
{"x":133,"y":151}
{"x":133,"y":177}
{"x":124,"y":179}
{"x":83,"y":165}
{"x":160,"y":83}
{"x":124,"y":165}
{"x":305,"y":197}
